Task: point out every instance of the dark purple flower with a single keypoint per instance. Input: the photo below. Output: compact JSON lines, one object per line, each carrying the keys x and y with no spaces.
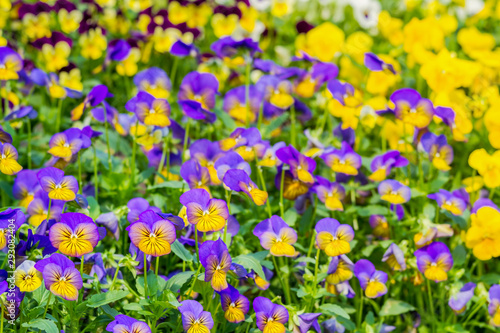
{"x":371,"y":281}
{"x":234,"y":304}
{"x":123,"y":323}
{"x":301,"y":166}
{"x":269,"y":316}
{"x":239,"y":181}
{"x":382,"y":165}
{"x":374,"y":63}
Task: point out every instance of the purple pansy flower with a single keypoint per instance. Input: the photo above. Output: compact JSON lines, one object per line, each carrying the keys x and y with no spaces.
{"x":149,"y":110}
{"x":195,"y":175}
{"x":194,"y":318}
{"x":374,"y":63}
{"x":382,"y":165}
{"x":154,"y":81}
{"x":395,"y":258}
{"x":439,"y":151}
{"x":95,"y":97}
{"x":76,"y":234}
{"x":455,"y":202}
{"x":301,"y":166}
{"x":458,"y":302}
{"x":276,"y":236}
{"x":331,"y":194}
{"x":494,"y":306}
{"x":215,"y":257}
{"x":234,"y":304}
{"x":207,"y":153}
{"x":123,"y":323}
{"x":270,"y":317}
{"x":411,"y":108}
{"x":434,"y":261}
{"x":197,"y":95}
{"x":66,"y":144}
{"x":344,"y":160}
{"x":239,"y":181}
{"x":10,"y":64}
{"x":371,"y":281}
{"x":394,"y":192}
{"x":57,"y":185}
{"x":39,"y":206}
{"x":207,"y":214}
{"x":230,"y":161}
{"x":306,"y":321}
{"x":333,"y":237}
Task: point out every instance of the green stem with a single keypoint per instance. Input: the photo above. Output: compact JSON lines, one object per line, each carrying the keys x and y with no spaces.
{"x":174,"y":70}
{"x":157,"y":265}
{"x":96,"y":179}
{"x":228,"y":199}
{"x":58,"y":119}
{"x":79,"y":173}
{"x":48,"y":210}
{"x":282,"y":206}
{"x":114,"y":277}
{"x":431,"y":303}
{"x":360,"y":311}
{"x":145,"y":276}
{"x":186,"y":137}
{"x":163,"y":155}
{"x":29,"y":143}
{"x":107,"y":146}
{"x":259,"y":120}
{"x":316,"y":266}
{"x":285,"y":290}
{"x":46,"y":307}
{"x":81,"y":265}
{"x":478,"y":306}
{"x":264,"y":188}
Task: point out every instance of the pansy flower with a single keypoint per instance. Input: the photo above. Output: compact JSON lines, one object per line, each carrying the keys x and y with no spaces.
{"x":207,"y":153}
{"x":234,"y":304}
{"x":458,"y":301}
{"x":53,"y":85}
{"x":239,"y":181}
{"x":454,"y":202}
{"x":197,"y":95}
{"x":267,"y":155}
{"x":371,"y":281}
{"x":346,"y":103}
{"x":380,"y":226}
{"x":22,"y":112}
{"x":343,"y":160}
{"x":25,"y":186}
{"x":194,"y":319}
{"x":242,"y":140}
{"x":306,"y":321}
{"x":395,"y":258}
{"x":8,"y":159}
{"x":483,"y":236}
{"x":488,"y":166}
{"x":382,"y":165}
{"x":154,"y":81}
{"x":434,"y":261}
{"x":292,"y":186}
{"x":440,"y":152}
{"x":262,"y":282}
{"x":57,"y":185}
{"x":153,"y":234}
{"x":277,"y":94}
{"x":95,"y":97}
{"x":126,"y":324}
{"x":340,"y":269}
{"x":65,"y":144}
{"x":195,"y":175}
{"x":207,"y":214}
{"x":310,"y":82}
{"x":394,"y":192}
{"x":7,"y":218}
{"x":138,"y":205}
{"x":411,"y":108}
{"x":60,"y":276}
{"x":150,"y":110}
{"x":10,"y":64}
{"x":333,"y":237}
{"x":27,"y":277}
{"x":230,"y":161}
{"x":215,"y":257}
{"x":236,"y":106}
{"x":494,"y":306}
{"x":75,"y":236}
{"x":301,"y":166}
{"x":331,"y":194}
{"x":276,"y":236}
{"x":5,"y":137}
{"x":374,"y":63}
{"x":39,"y":208}
{"x":270,"y":317}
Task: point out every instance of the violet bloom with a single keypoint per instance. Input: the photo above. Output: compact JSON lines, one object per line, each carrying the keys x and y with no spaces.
{"x":39,"y":208}
{"x":227,"y":47}
{"x":230,"y":161}
{"x":331,"y":194}
{"x":7,"y":218}
{"x":234,"y":304}
{"x":455,"y":202}
{"x":270,"y":317}
{"x":434,"y":261}
{"x":194,"y":319}
{"x":22,"y":112}
{"x":138,"y":205}
{"x":5,"y":137}
{"x":276,"y":236}
{"x":95,"y":97}
{"x":340,"y":269}
{"x":311,"y":81}
{"x":57,"y":185}
{"x":333,"y":326}
{"x":123,"y":323}
{"x":196,"y":176}
{"x":411,"y":108}
{"x":65,"y":144}
{"x":10,"y":64}
{"x":333,"y":237}
{"x":149,"y":110}
{"x":382,"y":165}
{"x":181,"y":49}
{"x":110,"y":222}
{"x":51,"y":82}
{"x":239,"y":181}
{"x":207,"y":214}
{"x":121,"y":122}
{"x":154,"y":233}
{"x":118,"y":50}
{"x":458,"y":302}
{"x":439,"y":151}
{"x":374,"y":63}
{"x":345,"y":134}
{"x":76,"y":234}
{"x":344,"y":160}
{"x":301,"y":166}
{"x":267,"y":154}
{"x":25,"y":186}
{"x":380,"y":226}
{"x":207,"y":153}
{"x":215,"y":257}
{"x":154,"y":81}
{"x":277,"y":94}
{"x":306,"y":321}
{"x":394,"y":192}
{"x":395,"y":258}
{"x":371,"y":281}
{"x":236,"y":106}
{"x":197,"y":95}
{"x":60,"y":276}
{"x":245,"y":142}
{"x":494,"y":306}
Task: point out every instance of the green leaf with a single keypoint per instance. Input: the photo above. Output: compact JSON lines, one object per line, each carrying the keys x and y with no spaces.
{"x":228,"y":122}
{"x":394,"y":307}
{"x":459,"y":255}
{"x":251,"y":261}
{"x":372,"y":210}
{"x":145,"y":175}
{"x":94,"y":210}
{"x":106,"y":298}
{"x":167,"y":184}
{"x":178,"y":280}
{"x":45,"y":325}
{"x":334,"y":309}
{"x":346,"y":323}
{"x":290,"y":217}
{"x":274,"y":125}
{"x":181,"y":251}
